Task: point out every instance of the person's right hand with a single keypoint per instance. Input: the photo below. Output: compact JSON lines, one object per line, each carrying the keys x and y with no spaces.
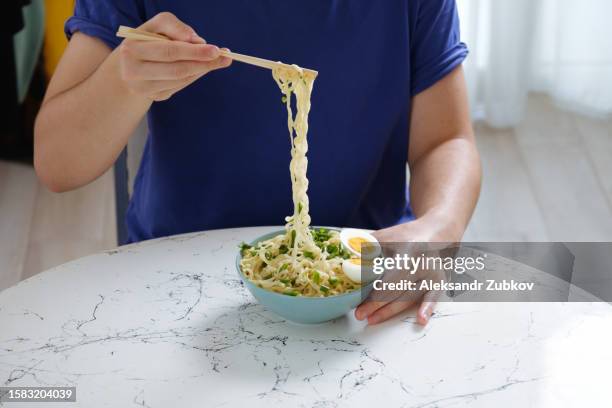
{"x":159,"y":69}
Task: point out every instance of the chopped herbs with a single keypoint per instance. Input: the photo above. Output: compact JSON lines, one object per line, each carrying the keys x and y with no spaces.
{"x":292,"y":238}
{"x":269,"y":268}
{"x":333,"y":250}
{"x":316,"y":277}
{"x":321,"y":234}
{"x":309,"y":255}
{"x":284,"y":99}
{"x":244,"y":247}
{"x":299,"y":208}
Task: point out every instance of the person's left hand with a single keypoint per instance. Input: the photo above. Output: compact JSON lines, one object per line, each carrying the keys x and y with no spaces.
{"x":421,"y":231}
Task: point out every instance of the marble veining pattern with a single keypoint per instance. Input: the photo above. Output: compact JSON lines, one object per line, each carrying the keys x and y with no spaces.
{"x":168,"y":323}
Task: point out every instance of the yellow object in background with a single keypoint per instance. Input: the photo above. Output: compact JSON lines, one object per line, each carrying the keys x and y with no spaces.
{"x":57,"y":12}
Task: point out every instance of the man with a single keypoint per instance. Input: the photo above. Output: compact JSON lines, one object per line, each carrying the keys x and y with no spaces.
{"x":391,"y":90}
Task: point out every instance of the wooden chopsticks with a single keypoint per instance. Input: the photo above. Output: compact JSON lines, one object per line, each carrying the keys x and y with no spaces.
{"x":136,"y":34}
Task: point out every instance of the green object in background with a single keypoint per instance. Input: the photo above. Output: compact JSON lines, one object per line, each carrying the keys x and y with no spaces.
{"x":28,"y":44}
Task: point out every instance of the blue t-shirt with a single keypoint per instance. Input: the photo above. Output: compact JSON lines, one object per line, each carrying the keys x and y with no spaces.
{"x":218,"y":152}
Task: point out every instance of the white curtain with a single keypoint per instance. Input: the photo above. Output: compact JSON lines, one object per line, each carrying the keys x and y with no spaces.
{"x":560,"y":47}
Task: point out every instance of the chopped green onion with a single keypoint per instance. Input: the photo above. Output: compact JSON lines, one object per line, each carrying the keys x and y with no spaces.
{"x":346,"y":254}
{"x":282,"y":268}
{"x":321,"y":235}
{"x":291,"y":293}
{"x":333,"y":281}
{"x":324,"y":288}
{"x":283,"y":249}
{"x":292,"y":238}
{"x":299,"y":208}
{"x":268,"y":276}
{"x":244,"y":247}
{"x":309,"y":255}
{"x":285,"y":281}
{"x":316,"y":277}
{"x":284,"y":99}
{"x":333,"y":250}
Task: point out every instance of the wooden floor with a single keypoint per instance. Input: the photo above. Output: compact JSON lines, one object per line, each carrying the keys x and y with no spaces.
{"x":548,"y":179}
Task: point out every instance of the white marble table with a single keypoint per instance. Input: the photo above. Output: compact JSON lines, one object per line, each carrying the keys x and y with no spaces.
{"x":167,"y":323}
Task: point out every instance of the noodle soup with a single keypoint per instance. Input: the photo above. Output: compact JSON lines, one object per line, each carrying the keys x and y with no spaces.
{"x":313,"y":272}
{"x":301,"y":262}
{"x":299,"y":308}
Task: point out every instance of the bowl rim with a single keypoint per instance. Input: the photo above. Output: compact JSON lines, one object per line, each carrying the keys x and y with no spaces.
{"x":295,"y":298}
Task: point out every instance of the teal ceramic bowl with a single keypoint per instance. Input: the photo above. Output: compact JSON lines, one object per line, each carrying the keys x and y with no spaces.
{"x":300,"y":309}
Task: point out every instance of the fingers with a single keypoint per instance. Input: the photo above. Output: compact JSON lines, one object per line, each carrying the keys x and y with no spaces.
{"x":427,"y":307}
{"x":169,"y":25}
{"x":224,"y":61}
{"x":379,"y":299}
{"x":391,"y":309}
{"x":366,"y":309}
{"x":170,"y":51}
{"x":135,"y":70}
{"x":163,"y":90}
{"x":155,"y":87}
{"x":377,"y":312}
{"x":404,"y":302}
{"x":388,"y":311}
{"x":159,"y":69}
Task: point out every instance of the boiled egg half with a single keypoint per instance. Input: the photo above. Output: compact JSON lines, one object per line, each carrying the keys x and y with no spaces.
{"x":358,"y":270}
{"x":364,"y":248}
{"x":360,"y":243}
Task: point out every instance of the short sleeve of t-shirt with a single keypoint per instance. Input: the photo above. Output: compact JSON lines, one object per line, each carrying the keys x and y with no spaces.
{"x":102,"y":18}
{"x":436,"y":48}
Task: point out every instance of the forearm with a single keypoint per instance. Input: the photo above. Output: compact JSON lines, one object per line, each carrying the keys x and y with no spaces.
{"x":445,"y":185}
{"x":81,"y":131}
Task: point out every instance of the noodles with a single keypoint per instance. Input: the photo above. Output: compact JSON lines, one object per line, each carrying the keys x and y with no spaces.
{"x":301,"y":262}
{"x":294,"y":82}
{"x":271,"y":266}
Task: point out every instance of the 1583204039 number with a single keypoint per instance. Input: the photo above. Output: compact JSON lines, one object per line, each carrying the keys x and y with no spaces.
{"x":37,"y":394}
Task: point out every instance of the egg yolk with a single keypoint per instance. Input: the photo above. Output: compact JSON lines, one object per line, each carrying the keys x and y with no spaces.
{"x":355,"y":243}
